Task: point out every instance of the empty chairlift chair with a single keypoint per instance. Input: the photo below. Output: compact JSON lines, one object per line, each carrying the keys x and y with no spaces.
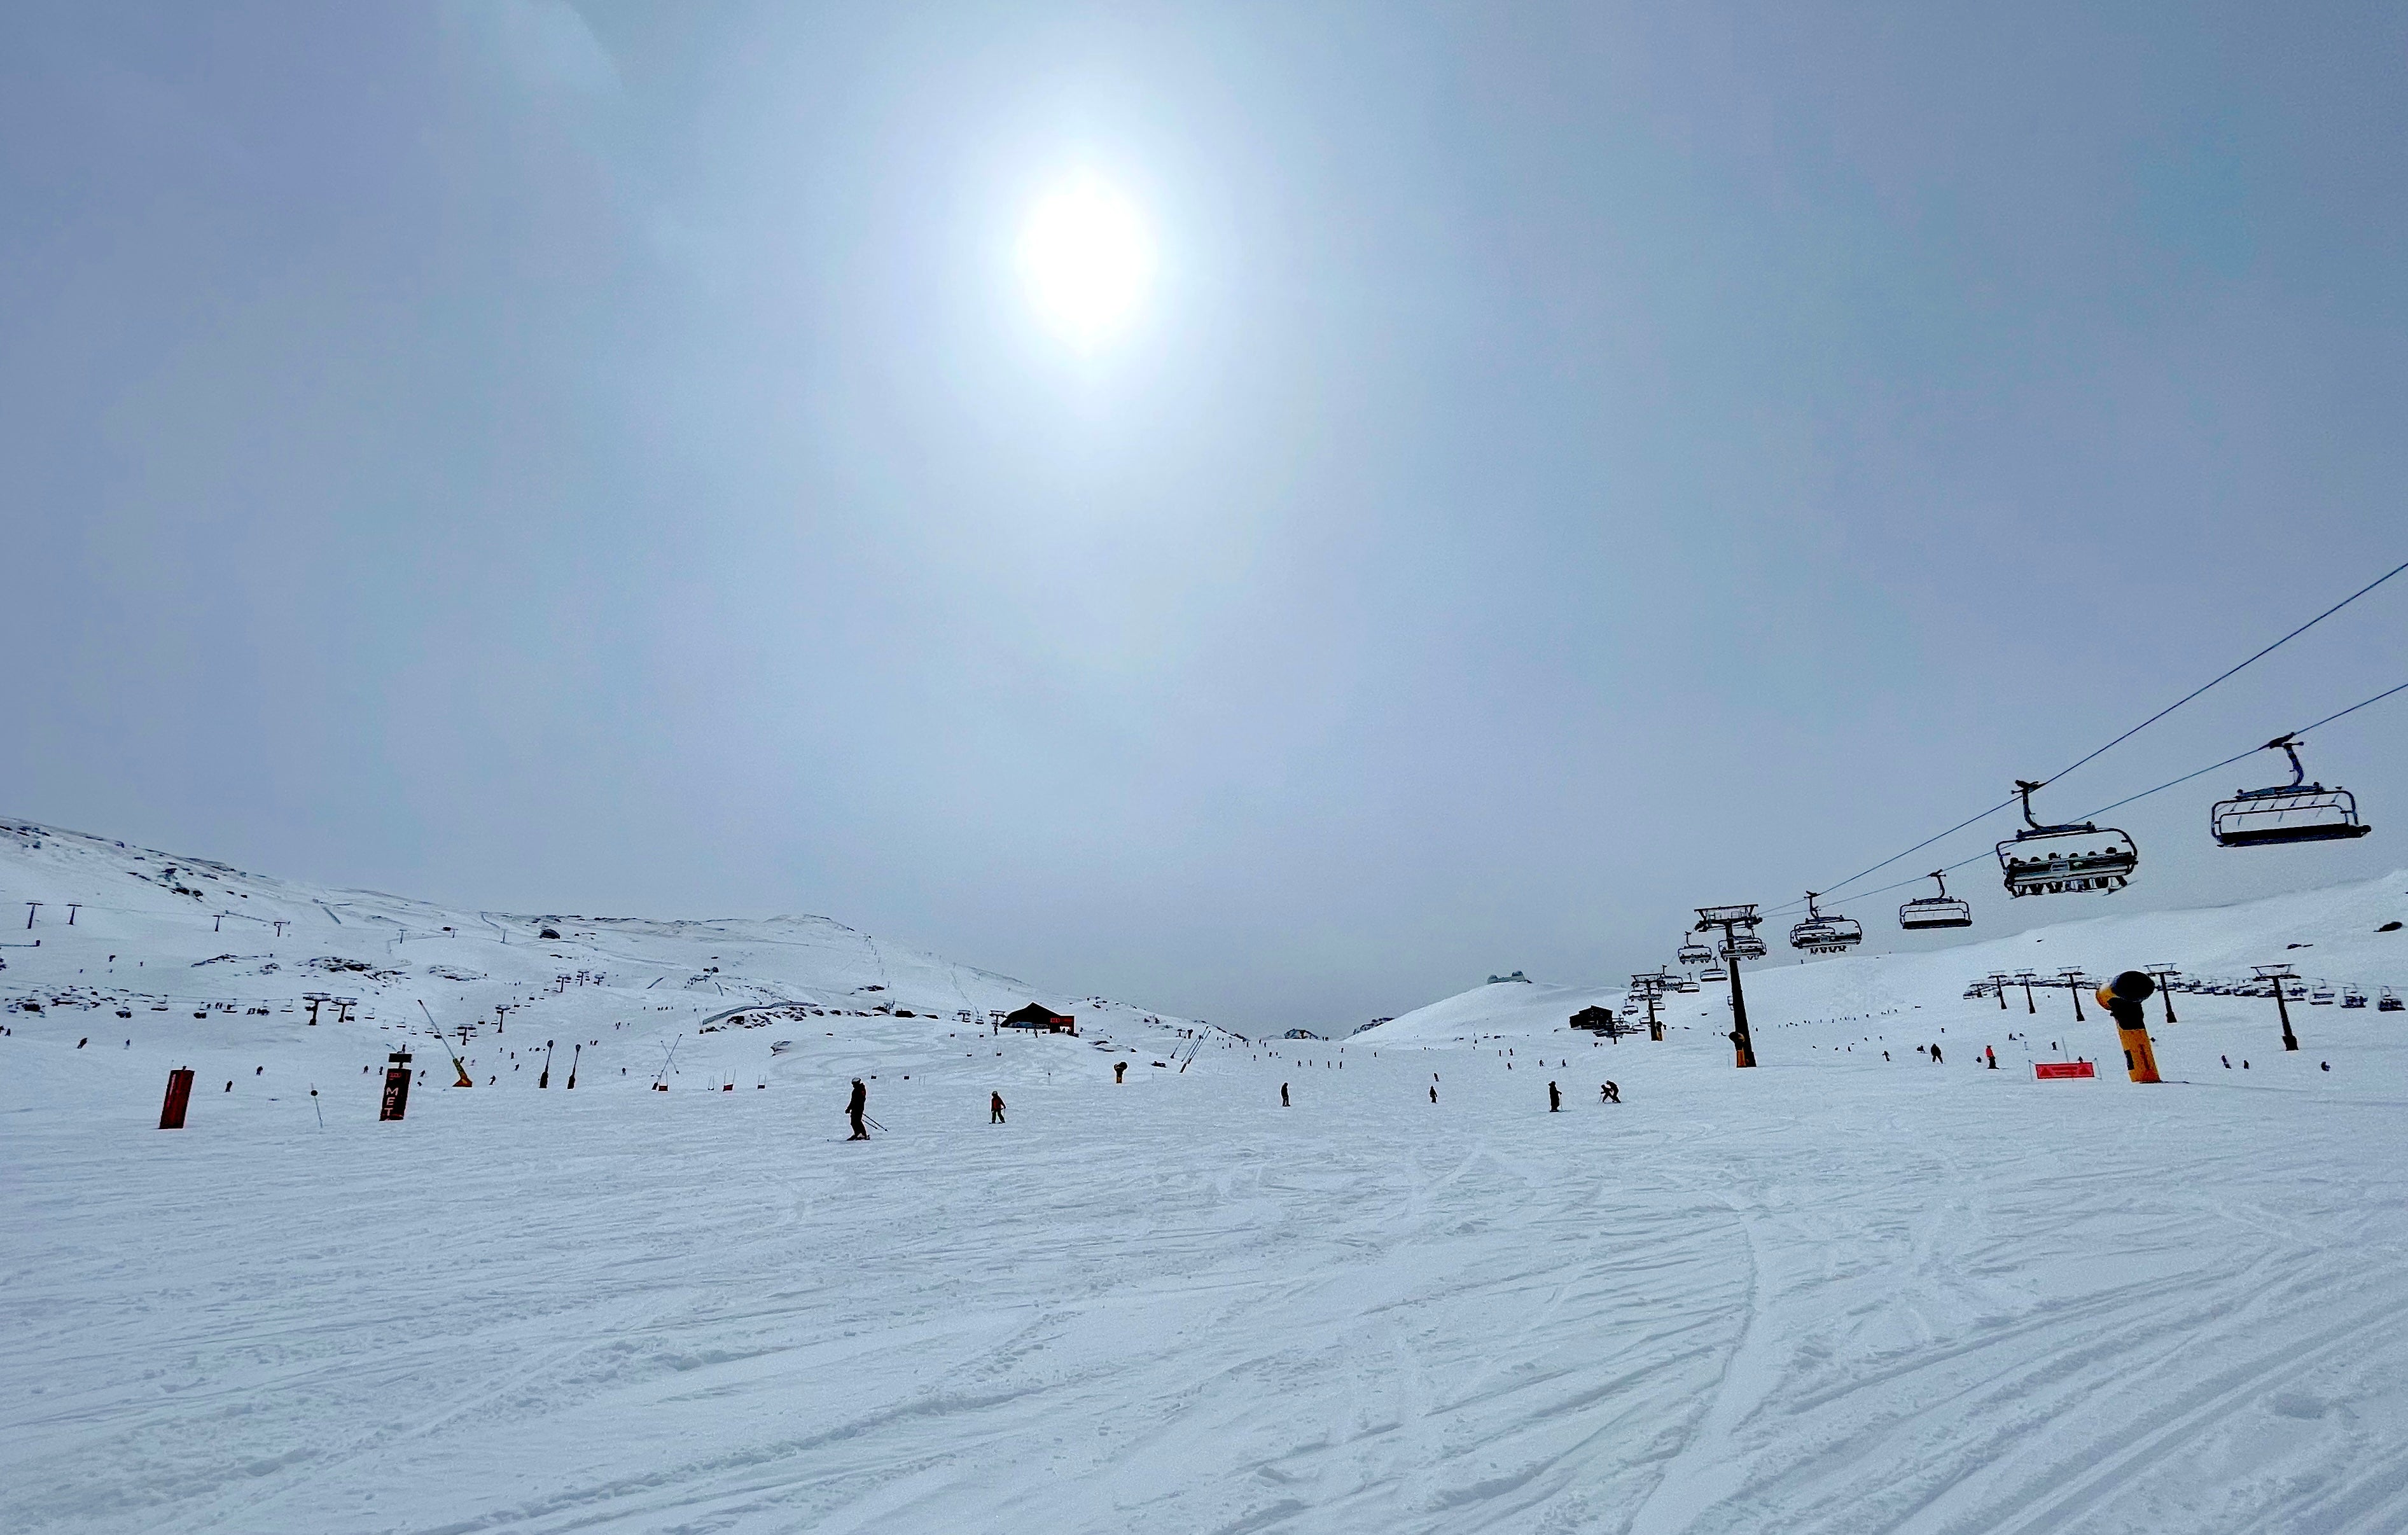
{"x":2297,"y":811}
{"x":1822,"y":934}
{"x":2065,"y":860}
{"x":1940,"y":911}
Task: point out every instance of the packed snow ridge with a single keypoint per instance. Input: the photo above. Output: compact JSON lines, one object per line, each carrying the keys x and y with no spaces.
{"x":1872,"y":1285}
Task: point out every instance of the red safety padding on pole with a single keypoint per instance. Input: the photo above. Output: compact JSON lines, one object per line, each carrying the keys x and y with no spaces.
{"x":180,"y":1096}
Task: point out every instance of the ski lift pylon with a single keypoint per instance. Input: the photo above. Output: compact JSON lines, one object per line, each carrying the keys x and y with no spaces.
{"x":2058,"y":860}
{"x":2297,"y":811}
{"x":1940,"y":911}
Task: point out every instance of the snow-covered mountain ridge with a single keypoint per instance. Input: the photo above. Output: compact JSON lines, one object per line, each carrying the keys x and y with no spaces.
{"x":184,"y":933}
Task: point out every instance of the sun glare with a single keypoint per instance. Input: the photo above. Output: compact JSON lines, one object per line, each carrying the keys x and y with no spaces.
{"x":1086,"y":259}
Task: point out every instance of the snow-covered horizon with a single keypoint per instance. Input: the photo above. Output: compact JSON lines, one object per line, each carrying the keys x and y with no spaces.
{"x":1193,"y":1282}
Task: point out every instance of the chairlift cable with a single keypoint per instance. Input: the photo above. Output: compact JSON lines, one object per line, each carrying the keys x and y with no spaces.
{"x":2127,"y":735}
{"x":2172,"y":783}
{"x":2259,"y":657}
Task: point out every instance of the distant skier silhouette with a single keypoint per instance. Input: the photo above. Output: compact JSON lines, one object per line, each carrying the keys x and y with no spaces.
{"x":1610,"y":1092}
{"x":856,"y":1108}
{"x":1433,"y":1094}
{"x":994,"y":1107}
{"x":1283,"y":1094}
{"x":1555,"y":1099}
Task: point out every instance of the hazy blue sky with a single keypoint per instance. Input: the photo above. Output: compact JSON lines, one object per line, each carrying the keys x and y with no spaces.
{"x":1572,"y":463}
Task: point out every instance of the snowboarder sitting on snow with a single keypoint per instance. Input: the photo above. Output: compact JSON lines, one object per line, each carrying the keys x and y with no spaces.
{"x":857,"y":1107}
{"x":994,"y":1107}
{"x":1609,"y":1093}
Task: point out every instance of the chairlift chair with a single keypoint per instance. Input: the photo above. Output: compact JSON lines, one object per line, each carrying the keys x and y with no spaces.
{"x":2321,"y":995}
{"x":2352,"y":997}
{"x":2297,"y":811}
{"x":1940,"y":911}
{"x":2058,"y":860}
{"x":2388,"y":1001}
{"x":1713,"y":972}
{"x":1692,"y":953}
{"x":1822,"y":934}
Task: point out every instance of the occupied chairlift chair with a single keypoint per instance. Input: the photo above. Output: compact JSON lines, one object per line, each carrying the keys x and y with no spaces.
{"x":2297,"y":811}
{"x":1822,"y":934}
{"x":1940,"y":911}
{"x":1742,"y":946}
{"x":1692,"y":953}
{"x":2063,"y":859}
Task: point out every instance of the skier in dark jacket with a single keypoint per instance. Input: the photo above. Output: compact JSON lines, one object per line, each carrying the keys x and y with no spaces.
{"x":1555,"y":1099}
{"x":857,"y":1107}
{"x":994,"y":1107}
{"x":1283,"y":1094}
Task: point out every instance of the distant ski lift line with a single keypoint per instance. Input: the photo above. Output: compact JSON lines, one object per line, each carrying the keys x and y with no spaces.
{"x":2135,"y":730}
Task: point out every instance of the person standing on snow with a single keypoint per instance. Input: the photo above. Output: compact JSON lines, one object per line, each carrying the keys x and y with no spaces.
{"x":1935,"y":1055}
{"x":1283,"y":1095}
{"x":856,"y":1108}
{"x":1555,"y":1099}
{"x":1610,"y":1092}
{"x":994,"y":1107}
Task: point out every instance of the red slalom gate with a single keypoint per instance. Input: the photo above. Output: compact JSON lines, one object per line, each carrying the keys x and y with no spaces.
{"x":2051,"y":1070}
{"x":179,"y":1098}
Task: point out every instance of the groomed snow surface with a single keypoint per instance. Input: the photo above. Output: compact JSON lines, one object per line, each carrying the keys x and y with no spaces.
{"x":1833,"y":1293}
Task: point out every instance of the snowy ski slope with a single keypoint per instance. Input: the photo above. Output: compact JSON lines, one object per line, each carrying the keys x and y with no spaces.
{"x":1839,"y":1293}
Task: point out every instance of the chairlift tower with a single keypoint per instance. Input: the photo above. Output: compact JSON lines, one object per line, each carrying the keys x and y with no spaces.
{"x":1730,"y":919}
{"x":2027,"y":978}
{"x":1649,"y":988}
{"x":2281,"y":975}
{"x":2073,"y":981}
{"x":2164,"y":975}
{"x":1999,"y":984}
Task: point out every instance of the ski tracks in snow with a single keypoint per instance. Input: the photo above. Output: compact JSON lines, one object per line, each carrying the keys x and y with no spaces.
{"x":1925,"y":1305}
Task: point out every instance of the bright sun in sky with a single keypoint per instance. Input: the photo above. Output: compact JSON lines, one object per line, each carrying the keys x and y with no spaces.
{"x":1086,"y":258}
